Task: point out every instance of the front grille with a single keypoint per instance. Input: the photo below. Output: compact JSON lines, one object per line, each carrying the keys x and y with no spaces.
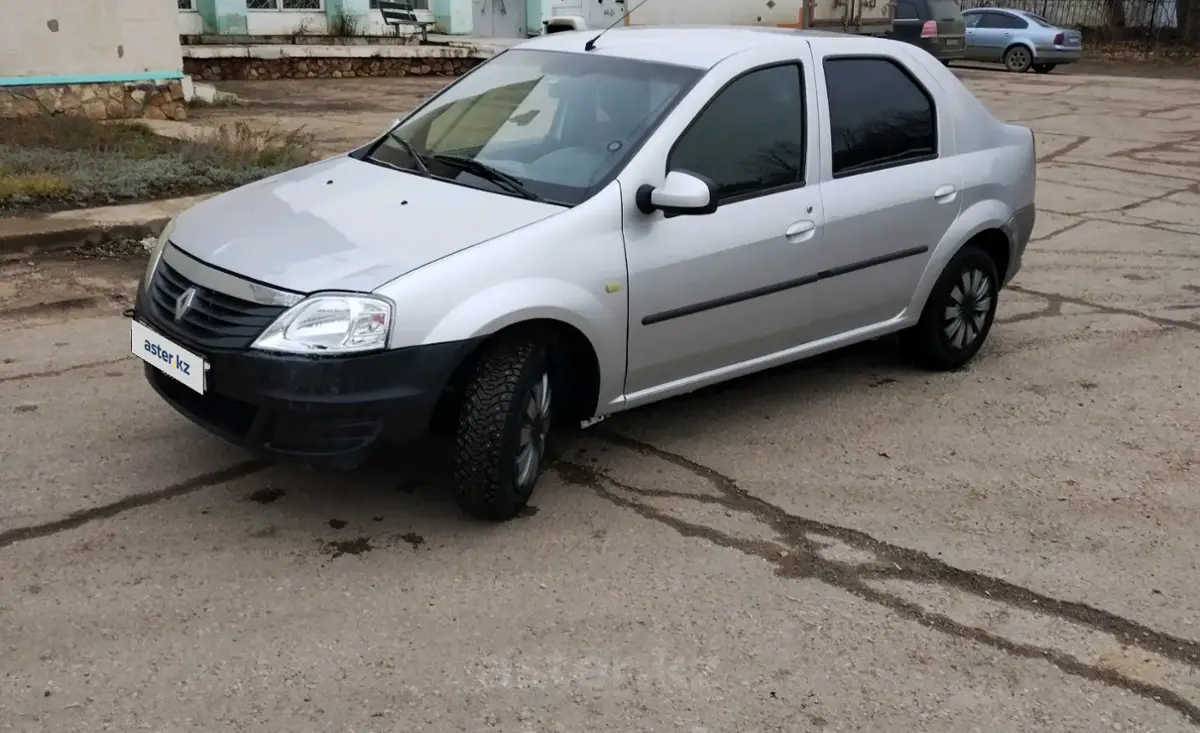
{"x":215,"y":320}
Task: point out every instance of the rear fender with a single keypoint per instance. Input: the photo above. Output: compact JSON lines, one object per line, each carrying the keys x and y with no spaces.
{"x":984,"y":215}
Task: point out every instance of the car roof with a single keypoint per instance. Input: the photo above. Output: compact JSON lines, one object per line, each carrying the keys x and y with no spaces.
{"x":698,"y":46}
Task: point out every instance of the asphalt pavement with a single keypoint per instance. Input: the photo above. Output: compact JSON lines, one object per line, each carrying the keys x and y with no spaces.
{"x":842,"y":545}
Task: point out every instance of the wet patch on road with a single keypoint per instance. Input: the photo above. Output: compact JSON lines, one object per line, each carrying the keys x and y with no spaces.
{"x":266,"y":496}
{"x":356,"y":546}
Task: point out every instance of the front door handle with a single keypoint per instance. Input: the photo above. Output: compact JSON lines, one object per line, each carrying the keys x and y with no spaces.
{"x":801,"y":231}
{"x":945,"y":194}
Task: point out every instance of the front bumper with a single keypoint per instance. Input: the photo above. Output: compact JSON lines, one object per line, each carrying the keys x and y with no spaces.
{"x":320,"y":410}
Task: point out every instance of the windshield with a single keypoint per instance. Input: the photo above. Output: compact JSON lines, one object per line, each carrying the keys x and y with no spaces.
{"x":555,"y":125}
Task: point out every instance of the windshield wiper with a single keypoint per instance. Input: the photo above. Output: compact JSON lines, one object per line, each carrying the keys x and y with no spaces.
{"x":495,"y":175}
{"x":412,"y":152}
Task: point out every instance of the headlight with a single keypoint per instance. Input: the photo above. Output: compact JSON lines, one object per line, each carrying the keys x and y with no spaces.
{"x":156,"y":253}
{"x":330,"y":324}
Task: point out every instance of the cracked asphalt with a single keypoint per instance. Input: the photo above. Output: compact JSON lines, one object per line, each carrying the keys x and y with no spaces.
{"x":843,"y":545}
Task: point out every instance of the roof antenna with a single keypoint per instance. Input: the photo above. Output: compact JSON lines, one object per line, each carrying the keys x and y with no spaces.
{"x":591,"y":45}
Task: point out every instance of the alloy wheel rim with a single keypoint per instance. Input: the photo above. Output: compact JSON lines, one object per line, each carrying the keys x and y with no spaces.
{"x":967,"y":309}
{"x":1020,"y":59}
{"x":535,"y":426}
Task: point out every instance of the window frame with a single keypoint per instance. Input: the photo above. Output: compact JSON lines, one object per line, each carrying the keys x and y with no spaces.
{"x":921,"y":87}
{"x":804,"y":156}
{"x":191,"y":6}
{"x":280,"y":9}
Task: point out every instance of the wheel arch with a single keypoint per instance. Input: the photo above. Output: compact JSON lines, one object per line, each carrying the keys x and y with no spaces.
{"x":1026,"y":45}
{"x":987,"y":230}
{"x":574,"y":366}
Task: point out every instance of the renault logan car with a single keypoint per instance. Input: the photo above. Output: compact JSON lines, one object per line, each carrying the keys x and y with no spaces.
{"x":564,"y":233}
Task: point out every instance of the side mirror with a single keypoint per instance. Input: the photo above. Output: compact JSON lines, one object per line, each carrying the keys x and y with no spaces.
{"x":681,"y":193}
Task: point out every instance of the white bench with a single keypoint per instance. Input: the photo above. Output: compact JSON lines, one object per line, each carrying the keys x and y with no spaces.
{"x":400,"y":15}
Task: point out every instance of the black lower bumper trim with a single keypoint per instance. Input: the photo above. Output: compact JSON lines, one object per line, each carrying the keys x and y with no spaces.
{"x":326,"y":410}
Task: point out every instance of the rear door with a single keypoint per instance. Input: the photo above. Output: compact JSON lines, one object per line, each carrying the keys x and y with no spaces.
{"x":990,"y":36}
{"x":890,"y":184}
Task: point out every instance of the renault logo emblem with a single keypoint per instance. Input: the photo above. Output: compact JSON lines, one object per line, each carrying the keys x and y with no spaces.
{"x":184,"y":303}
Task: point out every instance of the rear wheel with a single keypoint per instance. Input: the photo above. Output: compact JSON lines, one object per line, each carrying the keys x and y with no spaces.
{"x":1044,"y":68}
{"x":503,"y":428}
{"x":958,"y":314}
{"x":1018,"y":59}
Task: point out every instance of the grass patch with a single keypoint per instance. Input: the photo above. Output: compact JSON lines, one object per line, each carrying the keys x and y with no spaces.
{"x":56,"y":163}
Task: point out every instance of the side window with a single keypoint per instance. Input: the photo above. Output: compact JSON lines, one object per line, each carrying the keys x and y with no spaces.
{"x":972,"y":20}
{"x":750,"y":137}
{"x":879,"y":115}
{"x":906,"y":11}
{"x":1012,"y":21}
{"x":987,"y":20}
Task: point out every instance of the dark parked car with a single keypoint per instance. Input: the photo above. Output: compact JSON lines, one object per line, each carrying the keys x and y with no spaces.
{"x":935,"y":25}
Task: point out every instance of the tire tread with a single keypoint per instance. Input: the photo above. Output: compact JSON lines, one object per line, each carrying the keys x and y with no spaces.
{"x":483,"y":482}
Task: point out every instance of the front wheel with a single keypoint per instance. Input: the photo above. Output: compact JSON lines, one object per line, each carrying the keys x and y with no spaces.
{"x":503,"y":428}
{"x":1018,"y":59}
{"x":1044,"y":68}
{"x":959,"y":313}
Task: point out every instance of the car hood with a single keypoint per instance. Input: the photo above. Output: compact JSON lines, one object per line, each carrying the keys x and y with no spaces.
{"x":343,"y":224}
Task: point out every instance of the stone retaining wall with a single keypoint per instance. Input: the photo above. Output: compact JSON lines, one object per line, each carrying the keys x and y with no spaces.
{"x":226,"y":69}
{"x":152,"y":101}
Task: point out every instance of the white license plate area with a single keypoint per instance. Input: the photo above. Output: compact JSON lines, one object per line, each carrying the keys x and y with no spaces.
{"x":169,"y":357}
{"x":953,"y":42}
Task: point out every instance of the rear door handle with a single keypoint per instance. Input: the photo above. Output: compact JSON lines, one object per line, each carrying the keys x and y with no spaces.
{"x":945,"y":194}
{"x":801,"y":231}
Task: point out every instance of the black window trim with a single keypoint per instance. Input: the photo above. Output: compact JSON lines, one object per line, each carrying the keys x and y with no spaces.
{"x":898,"y":63}
{"x":799,"y":66}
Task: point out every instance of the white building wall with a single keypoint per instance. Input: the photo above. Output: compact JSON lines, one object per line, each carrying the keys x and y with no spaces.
{"x":189,"y":23}
{"x":714,"y":12}
{"x":286,"y":22}
{"x":53,"y":38}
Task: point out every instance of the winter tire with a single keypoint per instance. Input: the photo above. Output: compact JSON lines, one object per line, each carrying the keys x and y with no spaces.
{"x":502,"y":431}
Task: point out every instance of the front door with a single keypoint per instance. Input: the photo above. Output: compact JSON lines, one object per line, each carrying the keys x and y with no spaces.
{"x":989,"y":36}
{"x":889,"y":197}
{"x":500,"y":18}
{"x":719,"y":290}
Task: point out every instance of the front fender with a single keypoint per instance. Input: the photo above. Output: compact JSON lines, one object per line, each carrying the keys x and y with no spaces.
{"x":979,"y":217}
{"x":507,"y":304}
